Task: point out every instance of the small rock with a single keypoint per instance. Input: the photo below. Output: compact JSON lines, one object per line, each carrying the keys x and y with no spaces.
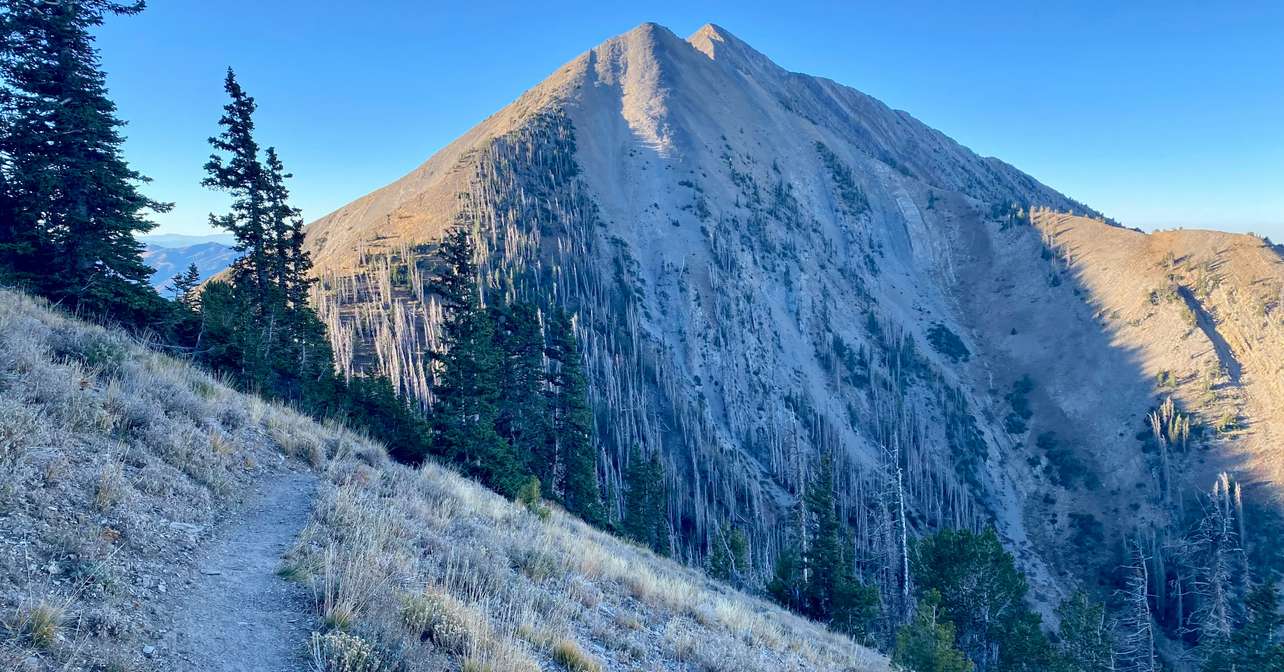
{"x":149,"y":650}
{"x":161,"y":588}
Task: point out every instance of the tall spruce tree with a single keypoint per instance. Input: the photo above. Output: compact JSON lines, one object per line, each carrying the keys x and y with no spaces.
{"x":282,"y":220}
{"x":235,"y":168}
{"x":466,"y":393}
{"x":822,"y":554}
{"x":646,"y":503}
{"x":573,"y":424}
{"x":983,"y":595}
{"x":71,"y":204}
{"x":524,"y":400}
{"x":831,"y":592}
{"x":262,"y":328}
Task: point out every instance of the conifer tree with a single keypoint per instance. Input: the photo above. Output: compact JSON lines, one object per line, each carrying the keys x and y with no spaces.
{"x":832,"y":593}
{"x":822,"y":554}
{"x":270,"y":338}
{"x":466,"y":393}
{"x":926,"y":644}
{"x":71,"y":204}
{"x":983,"y":595}
{"x":1086,"y":639}
{"x":524,"y":400}
{"x":729,"y":555}
{"x":573,"y":424}
{"x":281,"y":217}
{"x":646,"y":503}
{"x":184,"y":285}
{"x":242,"y":175}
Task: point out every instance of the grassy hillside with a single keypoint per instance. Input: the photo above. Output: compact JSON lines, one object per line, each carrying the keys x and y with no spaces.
{"x":121,"y":463}
{"x":454,"y":575}
{"x":118,"y":463}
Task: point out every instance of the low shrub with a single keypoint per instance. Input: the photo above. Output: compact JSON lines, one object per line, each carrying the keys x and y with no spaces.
{"x":342,"y":652}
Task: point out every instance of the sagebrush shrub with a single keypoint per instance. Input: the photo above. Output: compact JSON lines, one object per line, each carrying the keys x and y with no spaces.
{"x":439,"y":618}
{"x":341,"y":652}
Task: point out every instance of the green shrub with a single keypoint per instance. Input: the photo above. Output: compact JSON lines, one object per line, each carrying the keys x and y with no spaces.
{"x":529,"y":496}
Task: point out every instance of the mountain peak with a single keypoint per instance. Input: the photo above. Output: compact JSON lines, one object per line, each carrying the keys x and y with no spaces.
{"x":714,"y":31}
{"x":719,"y":44}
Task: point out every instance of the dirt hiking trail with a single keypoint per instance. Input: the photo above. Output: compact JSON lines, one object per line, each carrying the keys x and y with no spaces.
{"x":239,"y":615}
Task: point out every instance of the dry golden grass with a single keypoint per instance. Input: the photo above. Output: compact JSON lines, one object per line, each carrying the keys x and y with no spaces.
{"x":414,"y":569}
{"x":38,"y":623}
{"x":110,"y":454}
{"x":568,"y":654}
{"x":453,"y":576}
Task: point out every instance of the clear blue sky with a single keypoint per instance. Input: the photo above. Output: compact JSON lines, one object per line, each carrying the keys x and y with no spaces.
{"x":1160,"y":114}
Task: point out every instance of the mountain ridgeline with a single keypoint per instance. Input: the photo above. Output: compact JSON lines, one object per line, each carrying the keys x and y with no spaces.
{"x":747,"y":318}
{"x":768,"y":267}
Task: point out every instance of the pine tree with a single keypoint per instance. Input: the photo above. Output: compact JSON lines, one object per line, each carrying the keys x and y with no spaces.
{"x":983,"y":595}
{"x":573,"y":424}
{"x":822,"y":553}
{"x":831,"y":591}
{"x":282,"y":218}
{"x":242,"y":175}
{"x":184,"y":285}
{"x":926,"y":644}
{"x":524,"y":400}
{"x":729,"y":555}
{"x":1086,"y":640}
{"x":71,"y":204}
{"x":466,"y":394}
{"x":273,"y":342}
{"x":646,"y":503}
{"x":372,"y":404}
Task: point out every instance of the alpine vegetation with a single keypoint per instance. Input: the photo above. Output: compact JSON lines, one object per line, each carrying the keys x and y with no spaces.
{"x":680,"y":361}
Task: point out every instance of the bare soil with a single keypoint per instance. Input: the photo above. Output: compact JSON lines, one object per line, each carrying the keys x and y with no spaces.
{"x":238,"y":613}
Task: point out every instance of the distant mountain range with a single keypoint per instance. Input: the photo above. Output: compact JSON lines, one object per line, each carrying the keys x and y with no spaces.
{"x":171,"y":254}
{"x":176,"y":240}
